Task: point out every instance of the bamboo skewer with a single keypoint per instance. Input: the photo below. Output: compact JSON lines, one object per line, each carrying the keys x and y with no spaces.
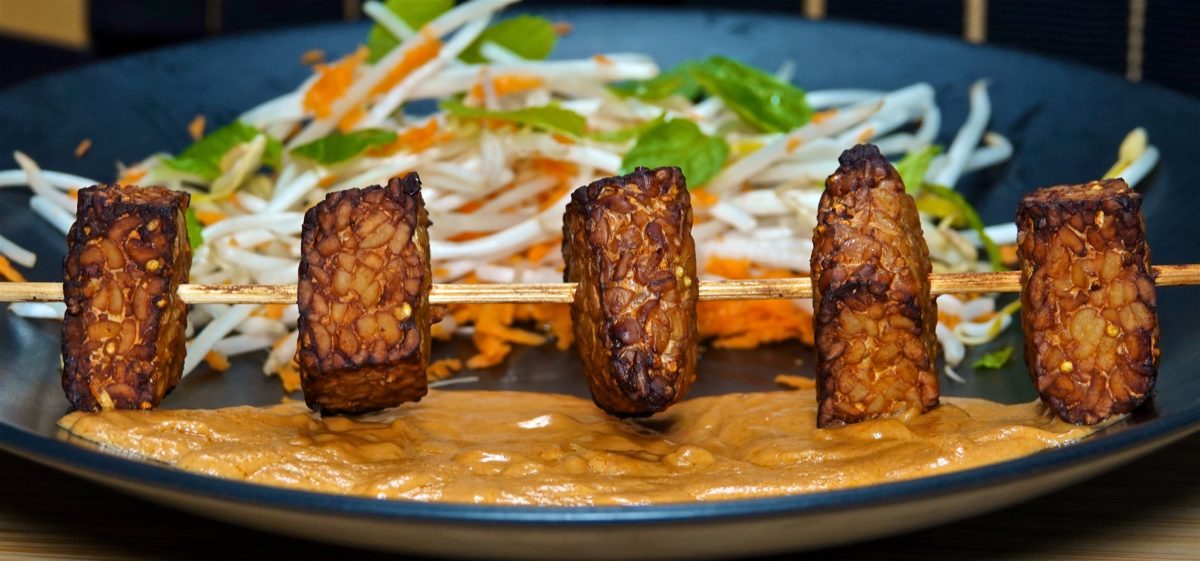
{"x":756,"y":289}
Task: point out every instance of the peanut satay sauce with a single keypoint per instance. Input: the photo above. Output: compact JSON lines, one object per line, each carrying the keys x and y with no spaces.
{"x":522,"y":448}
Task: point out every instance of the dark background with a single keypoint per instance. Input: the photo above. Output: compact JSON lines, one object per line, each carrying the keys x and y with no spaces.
{"x":1092,"y":32}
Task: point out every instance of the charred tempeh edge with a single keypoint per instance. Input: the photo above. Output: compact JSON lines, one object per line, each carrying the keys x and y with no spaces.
{"x":363,"y":294}
{"x":1088,"y":305}
{"x":873,"y":319}
{"x":123,"y":331}
{"x":627,"y":241}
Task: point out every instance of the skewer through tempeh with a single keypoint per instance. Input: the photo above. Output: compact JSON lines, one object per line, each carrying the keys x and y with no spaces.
{"x":123,"y":331}
{"x":365,"y":295}
{"x":365,"y":321}
{"x":873,"y":318}
{"x":1088,"y":308}
{"x":627,"y":241}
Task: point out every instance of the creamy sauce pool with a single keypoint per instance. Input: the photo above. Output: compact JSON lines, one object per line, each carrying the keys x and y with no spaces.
{"x":544,"y":449}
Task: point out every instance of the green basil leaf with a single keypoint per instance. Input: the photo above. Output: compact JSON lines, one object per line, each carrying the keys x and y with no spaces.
{"x":550,"y":118}
{"x":760,"y":99}
{"x":676,"y":81}
{"x":415,"y":13}
{"x":995,"y":360}
{"x":194,"y":228}
{"x":679,"y":143}
{"x":203,"y":158}
{"x":529,"y":37}
{"x":913,"y":166}
{"x":626,"y":134}
{"x":272,"y":153}
{"x":339,"y":147}
{"x":971,"y":217}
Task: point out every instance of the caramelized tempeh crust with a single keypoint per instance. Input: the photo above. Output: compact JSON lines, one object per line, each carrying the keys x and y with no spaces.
{"x":627,"y":241}
{"x":123,"y":331}
{"x":873,"y":317}
{"x":1088,"y":304}
{"x":364,"y":298}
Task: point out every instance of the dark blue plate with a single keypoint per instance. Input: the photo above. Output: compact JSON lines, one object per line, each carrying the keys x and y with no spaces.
{"x":1065,"y":122}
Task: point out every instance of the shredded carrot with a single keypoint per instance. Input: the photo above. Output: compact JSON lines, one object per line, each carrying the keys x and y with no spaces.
{"x":792,"y":144}
{"x":748,"y":324}
{"x":562,"y":28}
{"x":795,"y":382}
{"x":196,"y":127}
{"x":537,"y":252}
{"x":73,"y":194}
{"x":494,"y":335}
{"x":351,"y":118}
{"x":601,"y":59}
{"x":443,"y":368}
{"x":420,"y":54}
{"x":466,"y":236}
{"x":131,"y":176}
{"x":703,"y":199}
{"x":333,"y":80}
{"x":948,"y":320}
{"x":9,"y":272}
{"x":822,"y":116}
{"x":83,"y":147}
{"x":866,"y":135}
{"x":563,"y":171}
{"x":217,"y":361}
{"x":289,"y":375}
{"x":1008,"y":254}
{"x":547,"y":198}
{"x":414,"y":139}
{"x":209,"y":217}
{"x":509,"y":84}
{"x":327,"y":181}
{"x":554,"y":318}
{"x":312,"y":56}
{"x":271,"y":311}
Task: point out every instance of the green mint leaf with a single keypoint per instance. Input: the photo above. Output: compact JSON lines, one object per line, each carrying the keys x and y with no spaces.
{"x":995,"y":360}
{"x":194,"y":228}
{"x":970,"y":216}
{"x":913,"y":166}
{"x":203,"y":157}
{"x":415,"y":13}
{"x":676,"y":81}
{"x":679,"y":143}
{"x":529,"y":37}
{"x":339,"y":147}
{"x":550,"y":118}
{"x":760,"y":99}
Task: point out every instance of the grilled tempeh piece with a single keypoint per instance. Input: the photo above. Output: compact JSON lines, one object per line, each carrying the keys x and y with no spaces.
{"x":1088,"y":305}
{"x":123,"y":331}
{"x":873,"y":317}
{"x":627,"y":241}
{"x":364,"y":299}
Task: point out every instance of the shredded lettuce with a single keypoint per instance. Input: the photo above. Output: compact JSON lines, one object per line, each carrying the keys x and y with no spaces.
{"x":995,"y":360}
{"x":760,"y":99}
{"x":551,"y":118}
{"x":194,"y":228}
{"x":529,"y":37}
{"x":415,"y":13}
{"x":203,"y":158}
{"x":913,"y":166}
{"x":953,"y":199}
{"x":676,"y":81}
{"x":339,"y":147}
{"x":679,"y":143}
